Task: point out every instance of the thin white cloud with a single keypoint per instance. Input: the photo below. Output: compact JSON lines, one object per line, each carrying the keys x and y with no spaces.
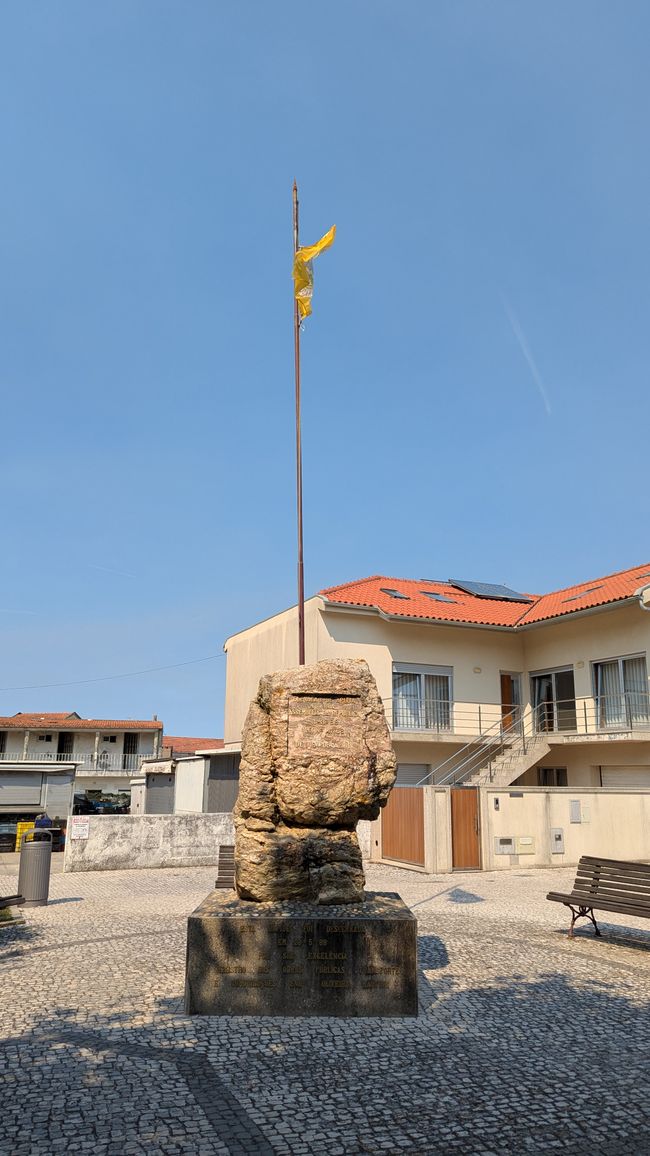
{"x":525,"y":349}
{"x":109,"y":570}
{"x":4,"y":610}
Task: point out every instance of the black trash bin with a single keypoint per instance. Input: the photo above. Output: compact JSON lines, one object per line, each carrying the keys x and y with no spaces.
{"x":34,"y":870}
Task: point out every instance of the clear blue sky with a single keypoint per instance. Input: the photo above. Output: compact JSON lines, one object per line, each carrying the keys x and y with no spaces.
{"x":475,"y":372}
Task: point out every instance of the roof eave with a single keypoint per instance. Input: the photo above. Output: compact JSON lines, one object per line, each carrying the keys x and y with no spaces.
{"x":589,"y":610}
{"x":346,"y":608}
{"x":515,"y":628}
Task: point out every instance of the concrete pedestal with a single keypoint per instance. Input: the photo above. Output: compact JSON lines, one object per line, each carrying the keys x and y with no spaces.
{"x":299,"y":959}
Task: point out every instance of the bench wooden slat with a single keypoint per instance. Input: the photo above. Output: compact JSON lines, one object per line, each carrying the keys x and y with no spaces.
{"x":226,"y":867}
{"x":629,"y":876}
{"x":611,"y":889}
{"x":583,"y":901}
{"x":632,"y":865}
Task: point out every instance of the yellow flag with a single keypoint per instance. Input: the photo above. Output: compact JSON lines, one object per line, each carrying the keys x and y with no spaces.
{"x":303,"y":273}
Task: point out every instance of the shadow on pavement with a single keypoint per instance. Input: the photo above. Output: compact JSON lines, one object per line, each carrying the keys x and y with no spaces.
{"x":492,"y":1066}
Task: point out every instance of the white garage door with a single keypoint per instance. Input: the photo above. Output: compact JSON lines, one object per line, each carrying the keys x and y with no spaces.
{"x":20,"y":788}
{"x":410,"y":774}
{"x":626,"y":778}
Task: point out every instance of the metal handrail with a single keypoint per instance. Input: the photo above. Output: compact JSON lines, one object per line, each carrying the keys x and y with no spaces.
{"x":605,"y":713}
{"x":477,"y":752}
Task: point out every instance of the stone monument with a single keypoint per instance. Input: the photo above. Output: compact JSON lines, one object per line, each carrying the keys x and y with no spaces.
{"x":302,"y":937}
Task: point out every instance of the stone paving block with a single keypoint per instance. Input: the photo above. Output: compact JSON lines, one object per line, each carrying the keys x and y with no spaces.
{"x":512,"y":1015}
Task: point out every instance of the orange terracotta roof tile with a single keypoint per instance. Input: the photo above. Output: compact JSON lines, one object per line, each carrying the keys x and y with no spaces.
{"x":72,"y":722}
{"x":188,"y":746}
{"x":586,"y":595}
{"x":444,"y":602}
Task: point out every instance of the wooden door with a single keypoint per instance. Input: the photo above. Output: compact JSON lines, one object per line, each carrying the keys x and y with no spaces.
{"x":402,"y":826}
{"x":507,"y":700}
{"x":465,"y":847}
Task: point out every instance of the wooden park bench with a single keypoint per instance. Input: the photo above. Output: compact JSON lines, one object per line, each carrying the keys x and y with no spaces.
{"x":226,"y":867}
{"x":607,"y":885}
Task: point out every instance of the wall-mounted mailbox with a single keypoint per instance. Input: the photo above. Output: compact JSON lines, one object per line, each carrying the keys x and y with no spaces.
{"x":557,"y":840}
{"x":525,"y":845}
{"x":504,"y":845}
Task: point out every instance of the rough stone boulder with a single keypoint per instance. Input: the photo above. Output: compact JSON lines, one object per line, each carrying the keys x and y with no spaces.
{"x":316,"y":758}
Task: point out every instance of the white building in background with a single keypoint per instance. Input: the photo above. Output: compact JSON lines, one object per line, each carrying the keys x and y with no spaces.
{"x":107,"y":752}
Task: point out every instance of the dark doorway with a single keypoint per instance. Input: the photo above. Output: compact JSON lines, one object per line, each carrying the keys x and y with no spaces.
{"x":64,"y":746}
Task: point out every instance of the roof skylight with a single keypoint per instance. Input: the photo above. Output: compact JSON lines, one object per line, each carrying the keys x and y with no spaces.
{"x":438,"y":597}
{"x":582,"y":594}
{"x":394,"y":593}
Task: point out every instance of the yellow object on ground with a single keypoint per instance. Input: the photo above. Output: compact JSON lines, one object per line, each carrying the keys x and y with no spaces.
{"x":303,"y":272}
{"x":21,"y":828}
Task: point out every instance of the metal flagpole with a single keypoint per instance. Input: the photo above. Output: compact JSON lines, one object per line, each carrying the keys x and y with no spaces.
{"x":296,"y":350}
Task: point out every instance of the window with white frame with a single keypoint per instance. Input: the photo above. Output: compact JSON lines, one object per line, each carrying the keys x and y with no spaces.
{"x":422,"y":697}
{"x":621,"y":692}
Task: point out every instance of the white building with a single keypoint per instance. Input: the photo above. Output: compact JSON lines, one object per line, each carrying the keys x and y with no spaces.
{"x":107,"y":751}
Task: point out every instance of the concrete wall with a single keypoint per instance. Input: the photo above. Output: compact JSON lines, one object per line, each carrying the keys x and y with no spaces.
{"x":14,"y":744}
{"x":614,"y":824}
{"x":125,"y":842}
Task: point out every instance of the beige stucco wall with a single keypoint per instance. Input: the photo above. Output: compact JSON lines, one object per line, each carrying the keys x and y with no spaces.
{"x":268,"y":646}
{"x":584,"y":760}
{"x":615,"y":824}
{"x":272,"y":645}
{"x":579,"y":642}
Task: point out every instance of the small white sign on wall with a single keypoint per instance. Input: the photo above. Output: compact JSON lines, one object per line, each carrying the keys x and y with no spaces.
{"x":79,"y":826}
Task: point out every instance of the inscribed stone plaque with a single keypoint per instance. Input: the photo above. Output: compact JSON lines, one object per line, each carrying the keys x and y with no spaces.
{"x":297,"y":959}
{"x":324,"y":725}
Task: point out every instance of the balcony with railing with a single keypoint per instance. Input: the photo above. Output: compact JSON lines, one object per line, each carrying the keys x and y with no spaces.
{"x":598,"y":717}
{"x":440,"y":717}
{"x":86,"y":762}
{"x":602,"y":715}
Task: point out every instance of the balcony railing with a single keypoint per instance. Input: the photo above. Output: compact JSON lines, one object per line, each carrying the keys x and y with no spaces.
{"x":440,"y":716}
{"x":605,"y":714}
{"x":86,"y":762}
{"x":626,"y":711}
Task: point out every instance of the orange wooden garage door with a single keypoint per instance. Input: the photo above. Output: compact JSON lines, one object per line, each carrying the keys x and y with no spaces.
{"x":402,"y":826}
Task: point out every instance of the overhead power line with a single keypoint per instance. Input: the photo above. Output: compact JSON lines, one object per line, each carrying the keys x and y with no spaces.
{"x":111,"y":677}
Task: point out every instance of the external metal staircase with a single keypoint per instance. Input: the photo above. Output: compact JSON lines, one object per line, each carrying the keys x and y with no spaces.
{"x":496,"y":757}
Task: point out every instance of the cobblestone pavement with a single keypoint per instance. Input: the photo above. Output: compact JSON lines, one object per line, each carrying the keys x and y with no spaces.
{"x":526,"y":1044}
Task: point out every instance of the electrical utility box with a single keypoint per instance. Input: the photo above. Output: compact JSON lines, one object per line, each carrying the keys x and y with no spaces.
{"x":504,"y":845}
{"x":525,"y":845}
{"x":557,"y":840}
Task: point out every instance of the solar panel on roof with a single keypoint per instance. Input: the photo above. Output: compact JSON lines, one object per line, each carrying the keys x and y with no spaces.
{"x":490,"y":590}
